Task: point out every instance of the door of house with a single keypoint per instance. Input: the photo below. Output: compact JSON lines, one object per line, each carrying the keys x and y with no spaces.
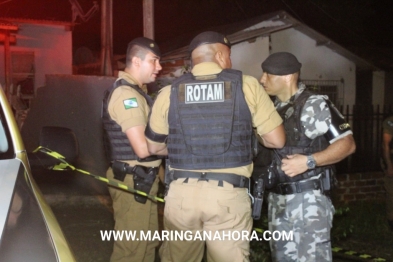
{"x":23,"y":74}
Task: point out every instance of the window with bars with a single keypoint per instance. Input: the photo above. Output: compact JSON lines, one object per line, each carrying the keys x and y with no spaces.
{"x":332,"y":88}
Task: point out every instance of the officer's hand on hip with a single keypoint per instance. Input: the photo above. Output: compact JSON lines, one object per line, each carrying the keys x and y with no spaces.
{"x":294,"y":165}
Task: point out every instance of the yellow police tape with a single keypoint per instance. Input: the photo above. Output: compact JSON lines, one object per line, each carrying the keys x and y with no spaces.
{"x":64,"y":165}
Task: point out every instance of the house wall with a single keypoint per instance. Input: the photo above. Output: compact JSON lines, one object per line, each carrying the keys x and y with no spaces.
{"x":378,"y":88}
{"x":248,"y":56}
{"x":245,"y":56}
{"x":389,"y":88}
{"x":74,"y":102}
{"x":318,"y":62}
{"x":360,"y":186}
{"x":52,"y":47}
{"x":171,"y":70}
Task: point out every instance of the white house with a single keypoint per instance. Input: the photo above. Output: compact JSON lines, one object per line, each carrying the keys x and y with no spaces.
{"x":327,"y":67}
{"x":34,"y":48}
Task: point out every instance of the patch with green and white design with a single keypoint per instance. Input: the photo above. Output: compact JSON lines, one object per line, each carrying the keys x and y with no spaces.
{"x":130,"y":103}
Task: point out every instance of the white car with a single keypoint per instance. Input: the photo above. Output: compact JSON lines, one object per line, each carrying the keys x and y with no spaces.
{"x":29,"y":230}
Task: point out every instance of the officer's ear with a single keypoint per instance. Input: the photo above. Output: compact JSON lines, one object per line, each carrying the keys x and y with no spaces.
{"x":289,"y":78}
{"x":136,"y":61}
{"x":220,"y":58}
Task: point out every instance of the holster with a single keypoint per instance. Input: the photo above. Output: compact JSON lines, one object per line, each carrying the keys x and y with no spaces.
{"x":328,"y":181}
{"x":168,"y":177}
{"x":259,"y":189}
{"x":119,"y":170}
{"x":144,"y":178}
{"x":268,"y":174}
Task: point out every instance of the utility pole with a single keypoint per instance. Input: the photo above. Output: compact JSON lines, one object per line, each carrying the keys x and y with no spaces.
{"x":106,"y":37}
{"x":7,"y":64}
{"x":107,"y":31}
{"x":148,"y":18}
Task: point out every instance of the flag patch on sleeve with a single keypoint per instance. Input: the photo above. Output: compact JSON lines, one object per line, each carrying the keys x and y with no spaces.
{"x":130,"y":103}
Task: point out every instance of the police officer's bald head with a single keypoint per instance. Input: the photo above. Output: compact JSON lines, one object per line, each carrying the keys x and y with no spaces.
{"x":208,"y":47}
{"x":208,"y":37}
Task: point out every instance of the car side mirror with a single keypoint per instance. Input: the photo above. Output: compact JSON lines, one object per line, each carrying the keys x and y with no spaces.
{"x":59,"y":139}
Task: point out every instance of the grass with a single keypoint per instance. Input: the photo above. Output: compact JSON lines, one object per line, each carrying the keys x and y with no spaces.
{"x":359,"y":227}
{"x":364,"y":229}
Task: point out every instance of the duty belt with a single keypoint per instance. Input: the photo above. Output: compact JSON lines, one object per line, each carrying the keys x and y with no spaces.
{"x":142,"y":171}
{"x":235,"y":180}
{"x":298,"y":187}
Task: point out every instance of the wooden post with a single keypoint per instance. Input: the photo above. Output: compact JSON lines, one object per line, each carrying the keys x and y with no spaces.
{"x":7,"y":63}
{"x":148,"y":18}
{"x":106,"y":37}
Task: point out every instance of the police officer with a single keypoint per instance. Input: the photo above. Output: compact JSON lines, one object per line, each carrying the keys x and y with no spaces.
{"x":205,"y":121}
{"x":387,"y":154}
{"x":317,"y":136}
{"x":125,"y":113}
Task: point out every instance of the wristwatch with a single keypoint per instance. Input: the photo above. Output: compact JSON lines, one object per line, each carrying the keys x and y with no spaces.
{"x":311,"y":162}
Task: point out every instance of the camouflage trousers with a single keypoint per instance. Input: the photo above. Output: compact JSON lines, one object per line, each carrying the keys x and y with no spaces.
{"x":309,"y":215}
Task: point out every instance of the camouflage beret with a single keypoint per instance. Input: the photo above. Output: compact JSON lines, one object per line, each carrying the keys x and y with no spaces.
{"x":147,"y":44}
{"x":208,"y":37}
{"x":281,"y":63}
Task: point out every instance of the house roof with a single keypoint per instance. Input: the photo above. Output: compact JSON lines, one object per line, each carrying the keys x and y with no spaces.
{"x":6,"y":25}
{"x":15,"y":21}
{"x":263,"y":25}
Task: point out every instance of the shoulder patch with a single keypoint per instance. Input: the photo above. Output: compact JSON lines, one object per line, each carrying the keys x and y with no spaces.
{"x":130,"y":103}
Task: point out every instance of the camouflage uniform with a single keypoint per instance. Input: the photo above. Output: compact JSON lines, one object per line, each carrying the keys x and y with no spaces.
{"x":309,"y":214}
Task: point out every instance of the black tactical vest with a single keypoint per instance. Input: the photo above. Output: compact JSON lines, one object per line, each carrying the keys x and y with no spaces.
{"x":210,"y":123}
{"x":116,"y":144}
{"x":296,"y":140}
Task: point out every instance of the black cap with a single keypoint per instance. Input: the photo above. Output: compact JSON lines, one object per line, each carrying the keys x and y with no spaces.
{"x":208,"y":37}
{"x":281,"y":63}
{"x":147,"y":44}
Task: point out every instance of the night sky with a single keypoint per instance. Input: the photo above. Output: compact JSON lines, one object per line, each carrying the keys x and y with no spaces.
{"x":362,"y":26}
